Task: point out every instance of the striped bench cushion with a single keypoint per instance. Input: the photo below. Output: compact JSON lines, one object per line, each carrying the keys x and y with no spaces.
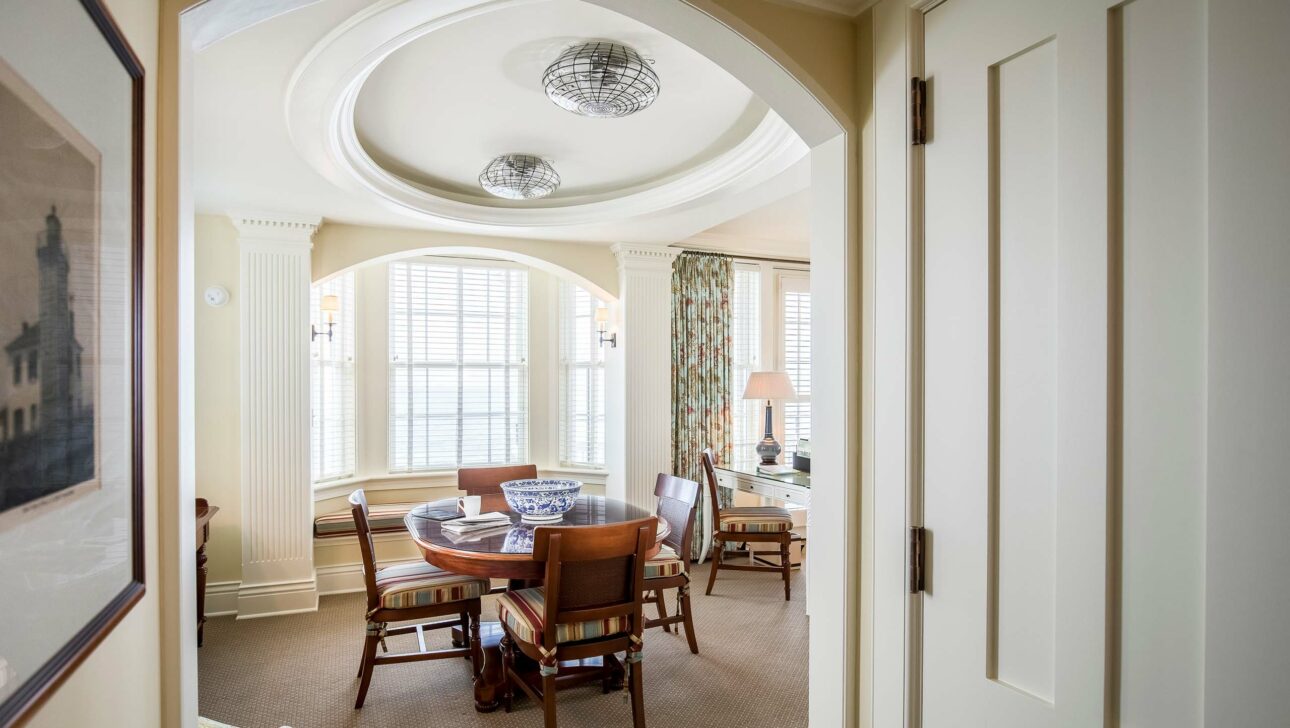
{"x":418,"y":584}
{"x":755,"y":519}
{"x":383,"y":517}
{"x":522,"y":612}
{"x":665,"y":563}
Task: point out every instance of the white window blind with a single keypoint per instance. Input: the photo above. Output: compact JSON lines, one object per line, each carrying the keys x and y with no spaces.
{"x":796,"y":352}
{"x":745,"y":347}
{"x":332,"y":421}
{"x":458,"y":365}
{"x":582,"y":380}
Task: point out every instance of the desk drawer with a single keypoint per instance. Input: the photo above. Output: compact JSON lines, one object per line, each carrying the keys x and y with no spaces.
{"x":726,"y":480}
{"x":790,"y":495}
{"x":756,"y":488}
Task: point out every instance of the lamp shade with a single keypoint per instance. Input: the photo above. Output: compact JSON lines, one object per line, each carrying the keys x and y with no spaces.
{"x":769,"y":385}
{"x":602,"y":315}
{"x":330,"y":303}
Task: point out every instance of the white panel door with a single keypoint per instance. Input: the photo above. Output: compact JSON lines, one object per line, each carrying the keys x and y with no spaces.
{"x":1017,"y":409}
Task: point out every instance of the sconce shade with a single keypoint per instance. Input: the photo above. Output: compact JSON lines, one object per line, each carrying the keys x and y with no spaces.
{"x":769,"y":385}
{"x":602,"y":315}
{"x":330,"y":303}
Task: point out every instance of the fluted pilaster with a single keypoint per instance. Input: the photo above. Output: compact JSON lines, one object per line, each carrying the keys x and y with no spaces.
{"x":645,"y":343}
{"x":277,"y":500}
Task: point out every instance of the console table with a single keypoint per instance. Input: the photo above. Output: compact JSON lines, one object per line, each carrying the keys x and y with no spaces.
{"x":205,"y":512}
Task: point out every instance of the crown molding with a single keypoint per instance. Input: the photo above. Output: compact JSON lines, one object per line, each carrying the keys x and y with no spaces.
{"x":640,"y":256}
{"x":848,"y":8}
{"x":273,"y":228}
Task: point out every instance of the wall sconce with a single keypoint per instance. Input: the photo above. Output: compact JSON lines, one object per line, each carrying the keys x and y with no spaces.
{"x":329,"y":306}
{"x":602,"y":327}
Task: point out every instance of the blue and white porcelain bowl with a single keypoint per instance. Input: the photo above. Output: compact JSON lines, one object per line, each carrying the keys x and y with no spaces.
{"x":541,"y":500}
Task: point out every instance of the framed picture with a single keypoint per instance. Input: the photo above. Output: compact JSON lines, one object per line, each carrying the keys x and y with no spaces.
{"x":71,"y":416}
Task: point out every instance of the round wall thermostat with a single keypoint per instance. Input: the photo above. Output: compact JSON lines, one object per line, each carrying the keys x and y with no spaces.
{"x":216,"y":296}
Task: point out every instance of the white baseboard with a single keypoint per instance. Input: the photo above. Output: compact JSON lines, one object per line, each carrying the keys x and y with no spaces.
{"x":272,"y":599}
{"x":221,"y":598}
{"x":340,"y":579}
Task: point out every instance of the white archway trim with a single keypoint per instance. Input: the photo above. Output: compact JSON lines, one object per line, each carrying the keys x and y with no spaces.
{"x":531,"y":261}
{"x":324,"y":90}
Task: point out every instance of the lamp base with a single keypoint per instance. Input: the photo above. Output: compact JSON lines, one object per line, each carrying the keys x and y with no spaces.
{"x":769,"y":451}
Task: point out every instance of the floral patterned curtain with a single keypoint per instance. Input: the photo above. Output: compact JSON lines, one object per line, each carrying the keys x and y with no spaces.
{"x":701,"y":331}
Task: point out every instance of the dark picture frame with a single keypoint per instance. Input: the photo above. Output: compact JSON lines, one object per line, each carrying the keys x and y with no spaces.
{"x":22,"y":703}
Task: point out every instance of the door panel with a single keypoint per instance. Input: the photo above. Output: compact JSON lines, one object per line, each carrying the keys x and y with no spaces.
{"x":1016,"y":342}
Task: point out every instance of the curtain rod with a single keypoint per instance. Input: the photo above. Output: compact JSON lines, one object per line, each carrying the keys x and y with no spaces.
{"x":758,"y":258}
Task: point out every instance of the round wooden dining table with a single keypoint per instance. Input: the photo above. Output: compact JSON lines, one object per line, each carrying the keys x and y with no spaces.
{"x":505,"y":552}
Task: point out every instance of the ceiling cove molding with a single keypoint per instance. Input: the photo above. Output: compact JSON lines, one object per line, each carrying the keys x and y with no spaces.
{"x":324,"y":89}
{"x":276,"y":228}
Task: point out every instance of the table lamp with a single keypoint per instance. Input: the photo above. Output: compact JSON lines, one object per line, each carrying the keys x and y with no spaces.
{"x":769,"y":386}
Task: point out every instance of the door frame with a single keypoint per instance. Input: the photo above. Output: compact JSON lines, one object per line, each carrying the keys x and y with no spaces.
{"x":835,"y":662}
{"x":893,"y":242}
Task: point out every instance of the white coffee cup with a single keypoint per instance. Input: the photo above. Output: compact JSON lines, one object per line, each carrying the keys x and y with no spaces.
{"x":470,"y":504}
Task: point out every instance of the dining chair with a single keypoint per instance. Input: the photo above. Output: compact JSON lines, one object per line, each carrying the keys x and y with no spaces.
{"x":412,"y":591}
{"x":669,"y":568}
{"x":749,"y":524}
{"x":488,"y":481}
{"x":589,"y":606}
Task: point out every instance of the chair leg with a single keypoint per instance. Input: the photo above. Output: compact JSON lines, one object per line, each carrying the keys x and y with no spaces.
{"x":686,"y":609}
{"x":464,"y":622}
{"x":786,"y":567}
{"x":662,"y":609}
{"x":718,"y":549}
{"x":369,"y":664}
{"x":548,"y":700}
{"x":476,"y":648}
{"x":635,"y":686}
{"x":508,"y":664}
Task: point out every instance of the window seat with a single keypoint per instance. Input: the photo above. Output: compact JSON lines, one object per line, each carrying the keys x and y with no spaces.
{"x":384,"y":517}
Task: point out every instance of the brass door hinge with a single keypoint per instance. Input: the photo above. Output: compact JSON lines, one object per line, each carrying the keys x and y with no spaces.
{"x":918,"y":111}
{"x":916,"y":556}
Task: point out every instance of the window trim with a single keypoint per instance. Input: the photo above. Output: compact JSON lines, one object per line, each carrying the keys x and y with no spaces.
{"x":562,"y":366}
{"x":342,"y":328}
{"x":459,"y":262}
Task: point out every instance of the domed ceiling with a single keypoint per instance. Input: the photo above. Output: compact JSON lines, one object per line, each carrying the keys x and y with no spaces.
{"x":437,"y":110}
{"x":393,"y":109}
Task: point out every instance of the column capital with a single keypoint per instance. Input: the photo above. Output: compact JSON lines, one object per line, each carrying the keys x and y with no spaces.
{"x":642,"y":256}
{"x":276,"y":229}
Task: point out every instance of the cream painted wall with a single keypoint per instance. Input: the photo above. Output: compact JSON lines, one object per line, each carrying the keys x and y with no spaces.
{"x":120,"y":678}
{"x":338,"y":246}
{"x":218,"y":411}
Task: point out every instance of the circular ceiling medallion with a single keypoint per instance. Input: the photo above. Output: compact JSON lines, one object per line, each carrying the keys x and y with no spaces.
{"x":602,"y":80}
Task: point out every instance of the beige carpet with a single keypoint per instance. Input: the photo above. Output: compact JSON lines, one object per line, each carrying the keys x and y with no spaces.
{"x":299,"y":670}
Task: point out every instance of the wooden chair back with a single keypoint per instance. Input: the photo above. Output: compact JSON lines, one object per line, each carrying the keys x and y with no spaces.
{"x":710,"y":470}
{"x":593,"y":572}
{"x":488,"y":481}
{"x":363,"y":529}
{"x":676,"y":505}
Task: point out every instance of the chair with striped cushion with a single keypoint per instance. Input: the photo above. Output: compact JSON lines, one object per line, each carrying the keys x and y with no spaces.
{"x":412,"y":591}
{"x":757,"y":524}
{"x":589,"y":606}
{"x":668,"y":569}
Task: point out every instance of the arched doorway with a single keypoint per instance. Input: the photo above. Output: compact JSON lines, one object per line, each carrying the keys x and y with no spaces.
{"x":720,"y":35}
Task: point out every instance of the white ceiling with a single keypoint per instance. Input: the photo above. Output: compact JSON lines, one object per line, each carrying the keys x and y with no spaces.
{"x":437,"y":109}
{"x":781,"y":228}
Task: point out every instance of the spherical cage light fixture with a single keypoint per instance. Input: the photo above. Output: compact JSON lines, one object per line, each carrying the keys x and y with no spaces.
{"x":602,"y":80}
{"x":519,"y":177}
